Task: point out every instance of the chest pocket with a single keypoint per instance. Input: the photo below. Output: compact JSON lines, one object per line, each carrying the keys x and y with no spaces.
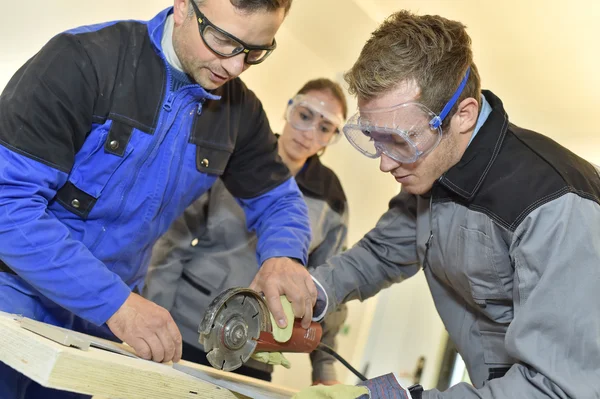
{"x":484,"y":266}
{"x":215,"y":133}
{"x":488,"y":270}
{"x":101,"y":155}
{"x":212,"y":158}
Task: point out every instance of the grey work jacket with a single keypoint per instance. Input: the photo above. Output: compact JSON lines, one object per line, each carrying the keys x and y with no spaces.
{"x":513,"y":263}
{"x":209,"y":249}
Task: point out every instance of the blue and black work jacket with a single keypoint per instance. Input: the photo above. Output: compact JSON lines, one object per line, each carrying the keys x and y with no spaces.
{"x":98,"y":157}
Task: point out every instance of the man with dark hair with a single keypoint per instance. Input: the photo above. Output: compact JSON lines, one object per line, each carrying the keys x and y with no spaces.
{"x":106,"y":135}
{"x":504,"y":222}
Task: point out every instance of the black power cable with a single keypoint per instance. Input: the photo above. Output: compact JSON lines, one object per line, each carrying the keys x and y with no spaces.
{"x":324,"y":348}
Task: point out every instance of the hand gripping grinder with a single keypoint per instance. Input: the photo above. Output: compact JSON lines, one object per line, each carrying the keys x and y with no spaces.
{"x":237,"y":324}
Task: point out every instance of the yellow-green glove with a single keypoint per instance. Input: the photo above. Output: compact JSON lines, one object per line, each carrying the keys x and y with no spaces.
{"x":332,"y":392}
{"x":274,"y":358}
{"x":284,"y":334}
{"x":280,"y":335}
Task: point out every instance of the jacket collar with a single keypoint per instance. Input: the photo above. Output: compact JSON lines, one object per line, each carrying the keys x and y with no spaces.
{"x":156,"y":26}
{"x":465,"y":178}
{"x":310,"y":179}
{"x":318,"y":181}
{"x":166,"y":43}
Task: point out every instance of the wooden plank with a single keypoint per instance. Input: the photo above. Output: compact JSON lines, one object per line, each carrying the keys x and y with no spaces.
{"x":106,"y":374}
{"x":248,"y":388}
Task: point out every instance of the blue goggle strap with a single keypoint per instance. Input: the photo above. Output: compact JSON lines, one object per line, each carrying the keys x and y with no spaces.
{"x":437,"y":121}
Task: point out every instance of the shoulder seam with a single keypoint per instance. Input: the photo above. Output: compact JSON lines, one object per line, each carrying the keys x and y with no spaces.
{"x":33,"y":157}
{"x":532,"y":207}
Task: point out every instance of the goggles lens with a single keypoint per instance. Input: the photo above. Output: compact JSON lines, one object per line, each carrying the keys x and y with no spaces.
{"x":404,"y":132}
{"x":309,"y":114}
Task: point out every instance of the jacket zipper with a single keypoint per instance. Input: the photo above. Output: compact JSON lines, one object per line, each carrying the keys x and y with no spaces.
{"x":164,"y":204}
{"x":428,"y":243}
{"x":198,"y":111}
{"x":167,"y":106}
{"x":430,"y":239}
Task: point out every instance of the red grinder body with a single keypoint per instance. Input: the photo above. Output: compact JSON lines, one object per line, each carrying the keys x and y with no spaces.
{"x":302,"y":340}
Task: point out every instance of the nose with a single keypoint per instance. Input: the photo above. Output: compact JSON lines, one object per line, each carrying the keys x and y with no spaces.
{"x":234,"y":65}
{"x":308,"y":134}
{"x":387,"y":164}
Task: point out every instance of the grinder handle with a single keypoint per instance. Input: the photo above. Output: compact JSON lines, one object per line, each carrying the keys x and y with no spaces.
{"x":302,"y":340}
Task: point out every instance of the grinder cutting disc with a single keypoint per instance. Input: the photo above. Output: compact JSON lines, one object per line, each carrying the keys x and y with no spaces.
{"x":231,"y":326}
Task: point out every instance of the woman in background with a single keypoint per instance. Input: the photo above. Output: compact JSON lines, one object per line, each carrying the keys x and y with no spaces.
{"x":208,"y":249}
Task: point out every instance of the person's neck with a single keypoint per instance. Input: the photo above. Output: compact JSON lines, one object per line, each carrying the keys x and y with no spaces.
{"x":167,"y":45}
{"x":293,"y":165}
{"x":465,"y":140}
{"x":462,"y":143}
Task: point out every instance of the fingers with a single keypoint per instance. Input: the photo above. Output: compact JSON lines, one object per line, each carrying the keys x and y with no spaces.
{"x":156,"y":347}
{"x":142,"y":349}
{"x":303,"y":298}
{"x":169,"y":337}
{"x":285,"y":277}
{"x":167,"y":344}
{"x":177,"y":340}
{"x":310,"y":298}
{"x":312,"y":289}
{"x":148,"y":328}
{"x":159,"y":345}
{"x":307,"y":319}
{"x":296,"y":297}
{"x":254,"y":285}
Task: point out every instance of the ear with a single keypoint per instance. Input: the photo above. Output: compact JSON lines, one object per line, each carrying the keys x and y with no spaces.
{"x":466,"y":115}
{"x":180,"y":11}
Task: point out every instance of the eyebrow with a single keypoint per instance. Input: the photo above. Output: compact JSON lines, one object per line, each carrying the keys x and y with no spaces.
{"x":307,"y":109}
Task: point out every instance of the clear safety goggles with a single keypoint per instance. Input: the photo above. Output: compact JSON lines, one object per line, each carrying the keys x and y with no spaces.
{"x":308,"y":113}
{"x":404,"y":132}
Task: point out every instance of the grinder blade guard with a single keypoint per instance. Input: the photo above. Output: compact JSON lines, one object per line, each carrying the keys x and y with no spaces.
{"x":231,"y":327}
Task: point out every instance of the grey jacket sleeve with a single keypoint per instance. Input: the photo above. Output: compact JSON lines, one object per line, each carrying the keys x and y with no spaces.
{"x":385,"y":255}
{"x":335,"y":242}
{"x":170,"y":253}
{"x":555,"y":330}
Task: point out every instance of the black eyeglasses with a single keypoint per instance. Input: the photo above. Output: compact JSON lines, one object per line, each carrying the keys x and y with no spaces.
{"x":227,"y":45}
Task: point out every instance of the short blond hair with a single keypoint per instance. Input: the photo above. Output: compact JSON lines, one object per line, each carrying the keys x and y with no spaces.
{"x":430,"y":50}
